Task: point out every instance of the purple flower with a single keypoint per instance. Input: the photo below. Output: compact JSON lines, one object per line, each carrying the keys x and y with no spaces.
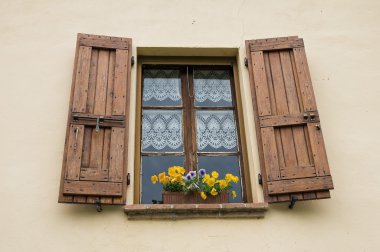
{"x":188,"y":177}
{"x":202,"y":173}
{"x":192,"y":174}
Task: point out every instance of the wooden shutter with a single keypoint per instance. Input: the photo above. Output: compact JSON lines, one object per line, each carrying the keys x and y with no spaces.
{"x":95,"y":155}
{"x":292,"y":152}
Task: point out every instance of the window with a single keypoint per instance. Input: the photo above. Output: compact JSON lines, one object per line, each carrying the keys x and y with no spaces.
{"x":188,"y":117}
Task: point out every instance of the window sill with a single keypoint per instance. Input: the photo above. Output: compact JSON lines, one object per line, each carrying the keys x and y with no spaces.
{"x":190,"y":211}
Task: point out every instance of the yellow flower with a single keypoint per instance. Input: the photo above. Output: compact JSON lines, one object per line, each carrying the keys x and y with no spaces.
{"x":207,"y":177}
{"x":161,"y":177}
{"x":233,"y":194}
{"x":213,"y":192}
{"x":203,"y":196}
{"x":172,"y":171}
{"x":235,"y":179}
{"x":229,"y":177}
{"x":215,"y":174}
{"x":154,"y":179}
{"x":223,"y":184}
{"x":166,"y":180}
{"x":210,"y":182}
{"x":181,"y":170}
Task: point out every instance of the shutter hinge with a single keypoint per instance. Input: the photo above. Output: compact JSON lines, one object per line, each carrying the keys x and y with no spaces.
{"x":260,"y":179}
{"x":246,"y":61}
{"x":132,"y":60}
{"x":128,"y":179}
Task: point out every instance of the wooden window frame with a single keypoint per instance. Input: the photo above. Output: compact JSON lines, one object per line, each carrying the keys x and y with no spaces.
{"x":215,"y":62}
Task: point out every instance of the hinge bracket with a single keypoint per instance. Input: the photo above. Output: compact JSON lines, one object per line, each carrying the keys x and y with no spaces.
{"x":128,"y":179}
{"x":260,"y":179}
{"x":132,"y":60}
{"x":246,"y":62}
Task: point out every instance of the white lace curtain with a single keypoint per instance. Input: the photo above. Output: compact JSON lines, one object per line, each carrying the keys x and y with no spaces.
{"x":213,"y":85}
{"x":161,"y":129}
{"x":162,"y":85}
{"x":216,"y":129}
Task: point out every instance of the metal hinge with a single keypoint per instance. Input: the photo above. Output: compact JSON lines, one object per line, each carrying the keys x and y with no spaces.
{"x":246,"y":62}
{"x":128,"y":179}
{"x":132,"y":60}
{"x":260,"y":179}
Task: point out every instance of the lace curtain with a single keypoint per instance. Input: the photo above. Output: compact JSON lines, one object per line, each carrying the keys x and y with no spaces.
{"x":213,"y":85}
{"x":216,"y":129}
{"x":162,"y":85}
{"x":161,"y":129}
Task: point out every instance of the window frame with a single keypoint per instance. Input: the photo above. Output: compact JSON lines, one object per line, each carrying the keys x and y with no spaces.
{"x":180,"y":62}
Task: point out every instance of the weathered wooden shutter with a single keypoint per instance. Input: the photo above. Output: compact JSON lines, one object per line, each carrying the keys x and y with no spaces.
{"x":292,"y":152}
{"x":95,"y":155}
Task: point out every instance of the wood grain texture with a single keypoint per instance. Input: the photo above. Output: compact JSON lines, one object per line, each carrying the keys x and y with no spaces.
{"x":92,"y":188}
{"x":120,"y":84}
{"x":74,"y":153}
{"x":116,"y":155}
{"x":81,"y":79}
{"x":300,"y":185}
{"x":107,"y":42}
{"x":260,"y":83}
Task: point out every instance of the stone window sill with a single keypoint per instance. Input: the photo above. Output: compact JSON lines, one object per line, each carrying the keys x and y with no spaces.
{"x":188,"y":211}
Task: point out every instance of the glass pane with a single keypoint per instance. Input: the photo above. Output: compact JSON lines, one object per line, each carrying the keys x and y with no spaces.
{"x":212,"y":88}
{"x":153,"y":166}
{"x":162,"y":87}
{"x":216,"y":131}
{"x":162,"y":131}
{"x":223,"y":165}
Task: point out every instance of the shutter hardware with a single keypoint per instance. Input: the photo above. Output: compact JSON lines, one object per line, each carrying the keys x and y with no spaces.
{"x":246,"y":62}
{"x":260,"y":179}
{"x":293,"y":201}
{"x":98,"y":205}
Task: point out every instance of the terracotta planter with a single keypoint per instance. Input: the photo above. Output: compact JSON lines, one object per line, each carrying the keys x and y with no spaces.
{"x":193,"y":198}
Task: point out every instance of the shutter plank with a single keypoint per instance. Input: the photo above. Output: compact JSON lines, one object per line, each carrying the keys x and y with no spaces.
{"x":303,"y":74}
{"x":92,"y":81}
{"x":270,"y":154}
{"x":101,"y":83}
{"x":116,"y":155}
{"x":74,"y":153}
{"x":120,"y":84}
{"x":111,"y":79}
{"x":81,"y":80}
{"x":261,"y":86}
{"x":318,"y":149}
{"x":92,"y":188}
{"x":300,"y":185}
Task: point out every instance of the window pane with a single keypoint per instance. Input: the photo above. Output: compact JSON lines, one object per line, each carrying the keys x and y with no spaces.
{"x":162,"y":131}
{"x":153,"y":166}
{"x":216,"y":131}
{"x":212,"y":88}
{"x":162,"y":87}
{"x":223,"y":165}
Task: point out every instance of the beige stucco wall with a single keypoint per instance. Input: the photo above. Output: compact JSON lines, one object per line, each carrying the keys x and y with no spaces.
{"x":37,"y":43}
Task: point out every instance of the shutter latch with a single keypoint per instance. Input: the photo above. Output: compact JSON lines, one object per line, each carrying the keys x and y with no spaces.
{"x":98,"y":121}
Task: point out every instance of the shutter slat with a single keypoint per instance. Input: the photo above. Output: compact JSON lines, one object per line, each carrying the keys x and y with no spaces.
{"x":121,"y":76}
{"x":300,"y":185}
{"x":116,"y":154}
{"x":292,"y":153}
{"x":303,"y":75}
{"x":74,"y":153}
{"x":318,"y":150}
{"x":261,"y":85}
{"x":92,"y":188}
{"x":81,"y":80}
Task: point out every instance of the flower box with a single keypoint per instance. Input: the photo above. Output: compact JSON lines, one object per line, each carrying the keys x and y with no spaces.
{"x":193,"y":198}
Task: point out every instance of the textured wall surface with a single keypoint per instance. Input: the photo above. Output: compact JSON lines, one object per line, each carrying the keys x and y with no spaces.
{"x":37,"y":44}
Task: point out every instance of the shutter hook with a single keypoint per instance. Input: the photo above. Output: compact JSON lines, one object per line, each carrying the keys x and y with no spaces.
{"x":76,"y":130}
{"x":98,"y":205}
{"x":98,"y":121}
{"x":293,"y":201}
